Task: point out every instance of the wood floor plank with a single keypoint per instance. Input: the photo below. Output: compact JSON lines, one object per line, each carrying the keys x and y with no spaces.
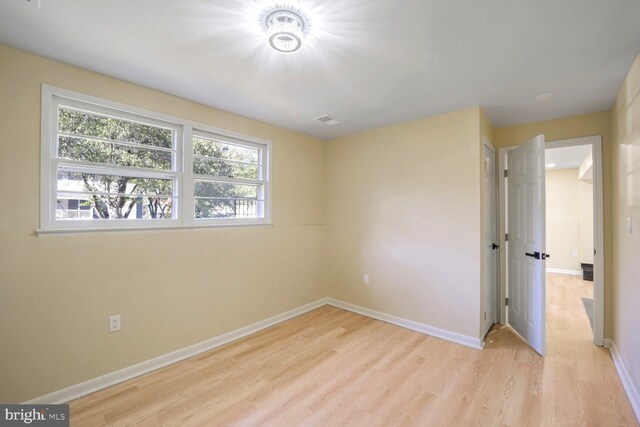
{"x":333,"y":367}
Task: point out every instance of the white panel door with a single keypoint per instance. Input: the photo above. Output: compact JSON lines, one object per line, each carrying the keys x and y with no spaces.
{"x":526,"y":244}
{"x":490,"y":241}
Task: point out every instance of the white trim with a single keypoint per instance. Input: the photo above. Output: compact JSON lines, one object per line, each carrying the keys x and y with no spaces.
{"x":564,"y":271}
{"x":455,"y":337}
{"x":53,"y":232}
{"x":90,"y":386}
{"x":82,"y":389}
{"x":502,"y":229}
{"x":629,"y":387}
{"x":487,"y":143}
{"x":46,"y":177}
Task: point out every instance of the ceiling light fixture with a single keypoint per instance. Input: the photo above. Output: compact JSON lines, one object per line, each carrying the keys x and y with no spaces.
{"x":550,"y":165}
{"x":285,"y":27}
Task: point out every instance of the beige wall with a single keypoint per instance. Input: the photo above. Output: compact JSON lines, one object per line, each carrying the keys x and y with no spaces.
{"x":569,"y":214}
{"x":574,"y":127}
{"x":404,"y":207}
{"x":626,"y":247}
{"x":563,"y":218}
{"x":172,"y":288}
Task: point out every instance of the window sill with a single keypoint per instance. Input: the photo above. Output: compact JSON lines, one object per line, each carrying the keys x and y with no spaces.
{"x":57,"y":231}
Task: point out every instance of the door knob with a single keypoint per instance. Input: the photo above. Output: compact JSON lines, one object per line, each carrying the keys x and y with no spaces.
{"x":535,"y":255}
{"x":494,"y":246}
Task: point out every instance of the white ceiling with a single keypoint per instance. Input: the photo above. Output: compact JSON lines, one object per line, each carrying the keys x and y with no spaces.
{"x":566,"y":157}
{"x":368,"y":63}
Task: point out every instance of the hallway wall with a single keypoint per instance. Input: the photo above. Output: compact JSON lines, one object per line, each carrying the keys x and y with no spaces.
{"x":626,"y":245}
{"x":569,"y":220}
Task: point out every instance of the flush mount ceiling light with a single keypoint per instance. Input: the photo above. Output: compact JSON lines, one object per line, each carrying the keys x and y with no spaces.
{"x":285,"y":27}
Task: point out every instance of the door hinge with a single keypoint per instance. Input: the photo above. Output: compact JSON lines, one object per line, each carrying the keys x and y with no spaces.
{"x":506,"y":301}
{"x":506,"y":237}
{"x":485,"y":316}
{"x":506,"y":173}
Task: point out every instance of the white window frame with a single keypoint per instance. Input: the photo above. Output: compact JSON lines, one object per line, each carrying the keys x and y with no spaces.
{"x":184,"y":215}
{"x":262,"y":182}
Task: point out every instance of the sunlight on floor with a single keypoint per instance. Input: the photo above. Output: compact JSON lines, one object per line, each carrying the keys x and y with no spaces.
{"x":566,"y":315}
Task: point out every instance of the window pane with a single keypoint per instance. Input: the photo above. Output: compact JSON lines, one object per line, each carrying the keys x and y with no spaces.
{"x":91,"y":124}
{"x":225,"y":190}
{"x":224,"y":200}
{"x":228,"y":208}
{"x":114,"y":196}
{"x":88,"y":150}
{"x":101,"y":207}
{"x":215,"y":167}
{"x":220,"y":150}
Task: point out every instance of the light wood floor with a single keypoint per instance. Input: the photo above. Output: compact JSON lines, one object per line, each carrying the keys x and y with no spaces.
{"x":333,"y":367}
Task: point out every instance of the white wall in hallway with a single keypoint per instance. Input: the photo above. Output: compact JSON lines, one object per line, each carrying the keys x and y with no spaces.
{"x":569,"y":219}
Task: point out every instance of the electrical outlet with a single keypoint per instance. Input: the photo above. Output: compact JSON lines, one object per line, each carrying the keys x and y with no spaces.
{"x":365,"y":279}
{"x":114,"y":323}
{"x":629,"y":226}
{"x":575,"y":253}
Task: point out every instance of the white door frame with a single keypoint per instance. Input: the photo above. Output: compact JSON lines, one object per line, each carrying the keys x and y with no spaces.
{"x":598,"y":230}
{"x":496,"y":293}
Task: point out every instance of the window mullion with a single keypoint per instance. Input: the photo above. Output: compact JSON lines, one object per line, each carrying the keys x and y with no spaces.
{"x":188,"y":182}
{"x":227,"y":140}
{"x":218,"y":159}
{"x":89,"y":167}
{"x":114,"y":141}
{"x":227,"y":180}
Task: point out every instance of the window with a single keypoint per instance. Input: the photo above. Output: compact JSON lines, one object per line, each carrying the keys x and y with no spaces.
{"x":229,"y":178}
{"x":119,"y":168}
{"x":111,"y":166}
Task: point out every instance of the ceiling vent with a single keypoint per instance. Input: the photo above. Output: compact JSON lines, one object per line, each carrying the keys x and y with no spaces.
{"x":328,"y":120}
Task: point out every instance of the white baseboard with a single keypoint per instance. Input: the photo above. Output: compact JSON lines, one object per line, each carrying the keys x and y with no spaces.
{"x":627,"y":383}
{"x":113,"y":378}
{"x":564,"y":271}
{"x":90,"y":386}
{"x":465,"y":340}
